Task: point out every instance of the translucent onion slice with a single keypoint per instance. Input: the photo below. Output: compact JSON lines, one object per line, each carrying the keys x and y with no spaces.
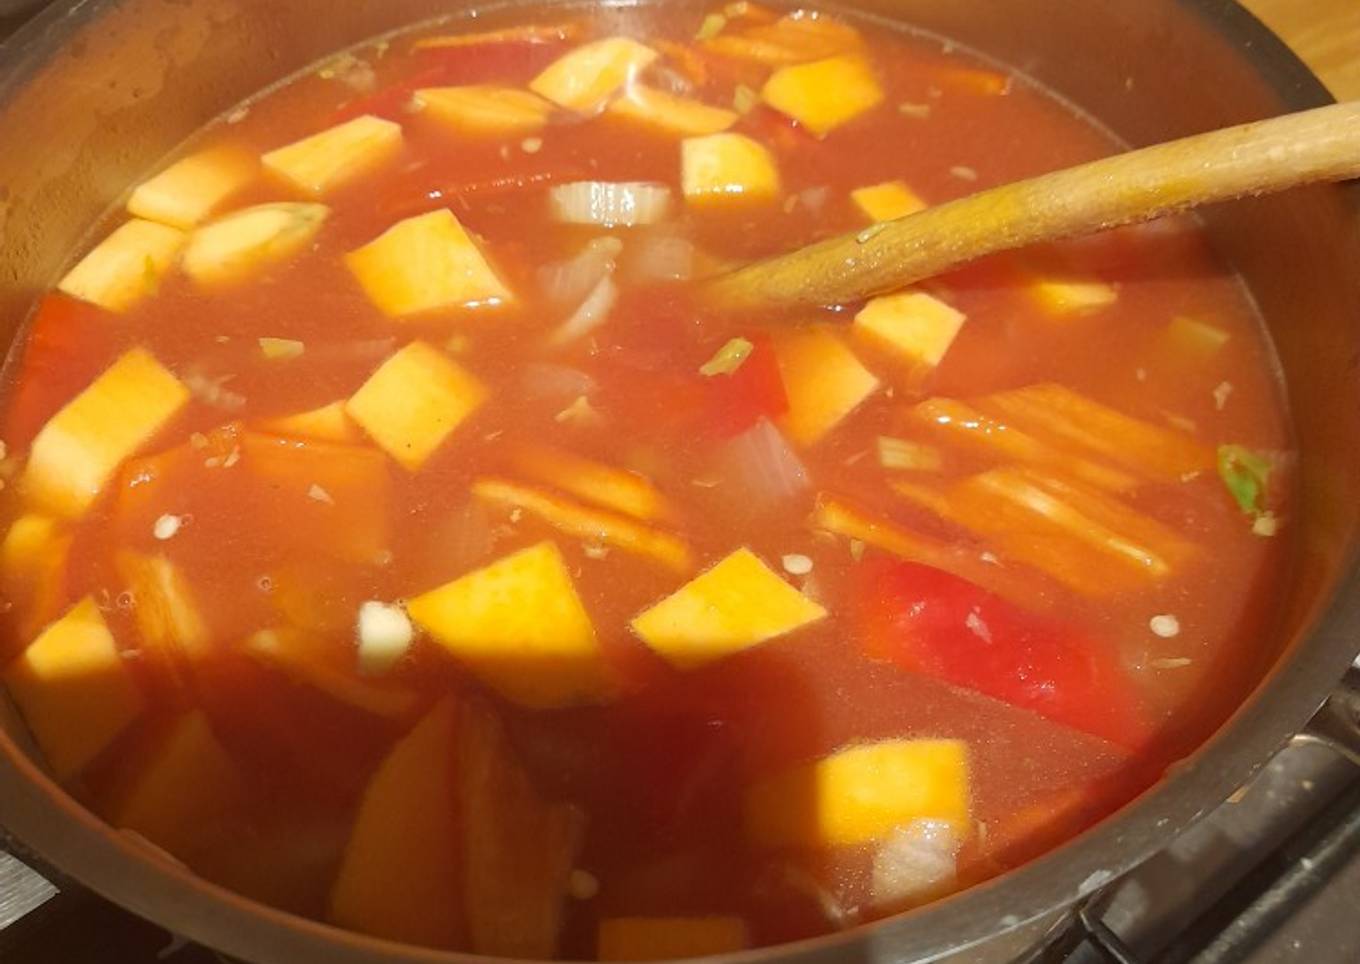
{"x":592,"y":313}
{"x":610,"y":203}
{"x":761,"y":467}
{"x":918,"y":862}
{"x":567,"y":282}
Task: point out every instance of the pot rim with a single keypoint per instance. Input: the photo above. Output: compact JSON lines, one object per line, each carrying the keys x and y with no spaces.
{"x":146,"y":881}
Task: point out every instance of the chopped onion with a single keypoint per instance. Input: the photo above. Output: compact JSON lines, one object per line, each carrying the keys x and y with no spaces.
{"x":592,"y":313}
{"x":548,"y":382}
{"x":567,"y":282}
{"x":915,"y":863}
{"x":660,"y":257}
{"x":899,"y":453}
{"x":385,"y":633}
{"x":762,"y":466}
{"x":610,"y":203}
{"x":814,"y":198}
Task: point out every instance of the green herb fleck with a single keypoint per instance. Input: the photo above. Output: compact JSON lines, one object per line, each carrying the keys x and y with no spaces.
{"x":711,"y":27}
{"x":728,"y":358}
{"x":1247,"y":475}
{"x":744,"y":99}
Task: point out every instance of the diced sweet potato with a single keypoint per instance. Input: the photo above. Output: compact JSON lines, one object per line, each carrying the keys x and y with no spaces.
{"x":401,"y":876}
{"x":592,"y":525}
{"x":605,"y":485}
{"x":727,"y":167}
{"x":184,"y":790}
{"x":426,"y":263}
{"x":233,"y":247}
{"x":329,"y":423}
{"x":323,"y":162}
{"x":414,"y":401}
{"x":1067,"y":296}
{"x":308,"y":660}
{"x":793,"y":39}
{"x":517,"y":849}
{"x":484,"y":110}
{"x":887,"y":201}
{"x":193,"y":188}
{"x":824,"y":94}
{"x":823,"y":379}
{"x":861,"y":794}
{"x":125,"y":267}
{"x":584,"y":79}
{"x":669,"y":938}
{"x":965,"y":426}
{"x":33,"y":561}
{"x":838,"y":516}
{"x":1059,"y":415}
{"x":911,"y":326}
{"x":737,"y":604}
{"x":73,"y":689}
{"x":80,"y":448}
{"x":310,"y":487}
{"x":519,"y":625}
{"x":174,"y":634}
{"x":671,"y":114}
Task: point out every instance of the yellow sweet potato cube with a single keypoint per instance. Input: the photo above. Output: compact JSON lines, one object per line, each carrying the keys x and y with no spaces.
{"x":125,"y":267}
{"x":33,"y":560}
{"x":173,"y":631}
{"x":737,"y":604}
{"x":824,"y":94}
{"x":73,"y":689}
{"x":584,"y":78}
{"x":669,"y":938}
{"x":887,"y":201}
{"x":233,"y":247}
{"x":482,"y":110}
{"x":1068,"y":296}
{"x":185,"y":790}
{"x":592,"y":525}
{"x":519,"y":625}
{"x":192,"y":188}
{"x":671,"y":114}
{"x":517,"y":849}
{"x":414,"y":401}
{"x":824,"y":382}
{"x":861,"y":794}
{"x":310,"y":661}
{"x":727,"y":166}
{"x":911,"y":326}
{"x":426,"y":263}
{"x":80,"y":448}
{"x":793,"y":39}
{"x":324,"y":161}
{"x":400,"y":876}
{"x":328,"y":423}
{"x":604,"y":485}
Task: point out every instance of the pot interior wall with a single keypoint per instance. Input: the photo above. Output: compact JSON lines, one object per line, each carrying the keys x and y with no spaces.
{"x":94,"y":99}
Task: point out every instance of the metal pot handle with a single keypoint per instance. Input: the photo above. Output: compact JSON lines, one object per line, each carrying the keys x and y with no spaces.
{"x":1336,"y":724}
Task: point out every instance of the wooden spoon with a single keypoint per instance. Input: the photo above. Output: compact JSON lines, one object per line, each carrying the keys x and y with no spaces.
{"x":1259,"y":158}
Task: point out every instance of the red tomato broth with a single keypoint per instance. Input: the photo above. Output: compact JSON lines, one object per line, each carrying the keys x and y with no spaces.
{"x":660,"y":771}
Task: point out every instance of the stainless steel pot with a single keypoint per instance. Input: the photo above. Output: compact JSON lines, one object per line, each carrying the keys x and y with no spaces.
{"x":96,"y":91}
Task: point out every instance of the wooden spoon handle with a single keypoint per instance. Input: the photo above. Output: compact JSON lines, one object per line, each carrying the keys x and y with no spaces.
{"x":1258,"y":158}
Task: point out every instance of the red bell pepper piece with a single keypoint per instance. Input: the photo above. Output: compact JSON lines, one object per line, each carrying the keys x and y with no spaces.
{"x":932,"y":622}
{"x":752,"y":392}
{"x":68,"y":344}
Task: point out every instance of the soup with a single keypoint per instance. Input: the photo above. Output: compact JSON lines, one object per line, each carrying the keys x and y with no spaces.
{"x":394,"y":533}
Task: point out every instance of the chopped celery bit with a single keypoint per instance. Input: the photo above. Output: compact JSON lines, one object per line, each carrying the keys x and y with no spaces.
{"x":281,"y":348}
{"x":1195,"y":337}
{"x":712,"y":26}
{"x":898,"y":453}
{"x":728,"y":358}
{"x":1246,"y":474}
{"x":744,"y":99}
